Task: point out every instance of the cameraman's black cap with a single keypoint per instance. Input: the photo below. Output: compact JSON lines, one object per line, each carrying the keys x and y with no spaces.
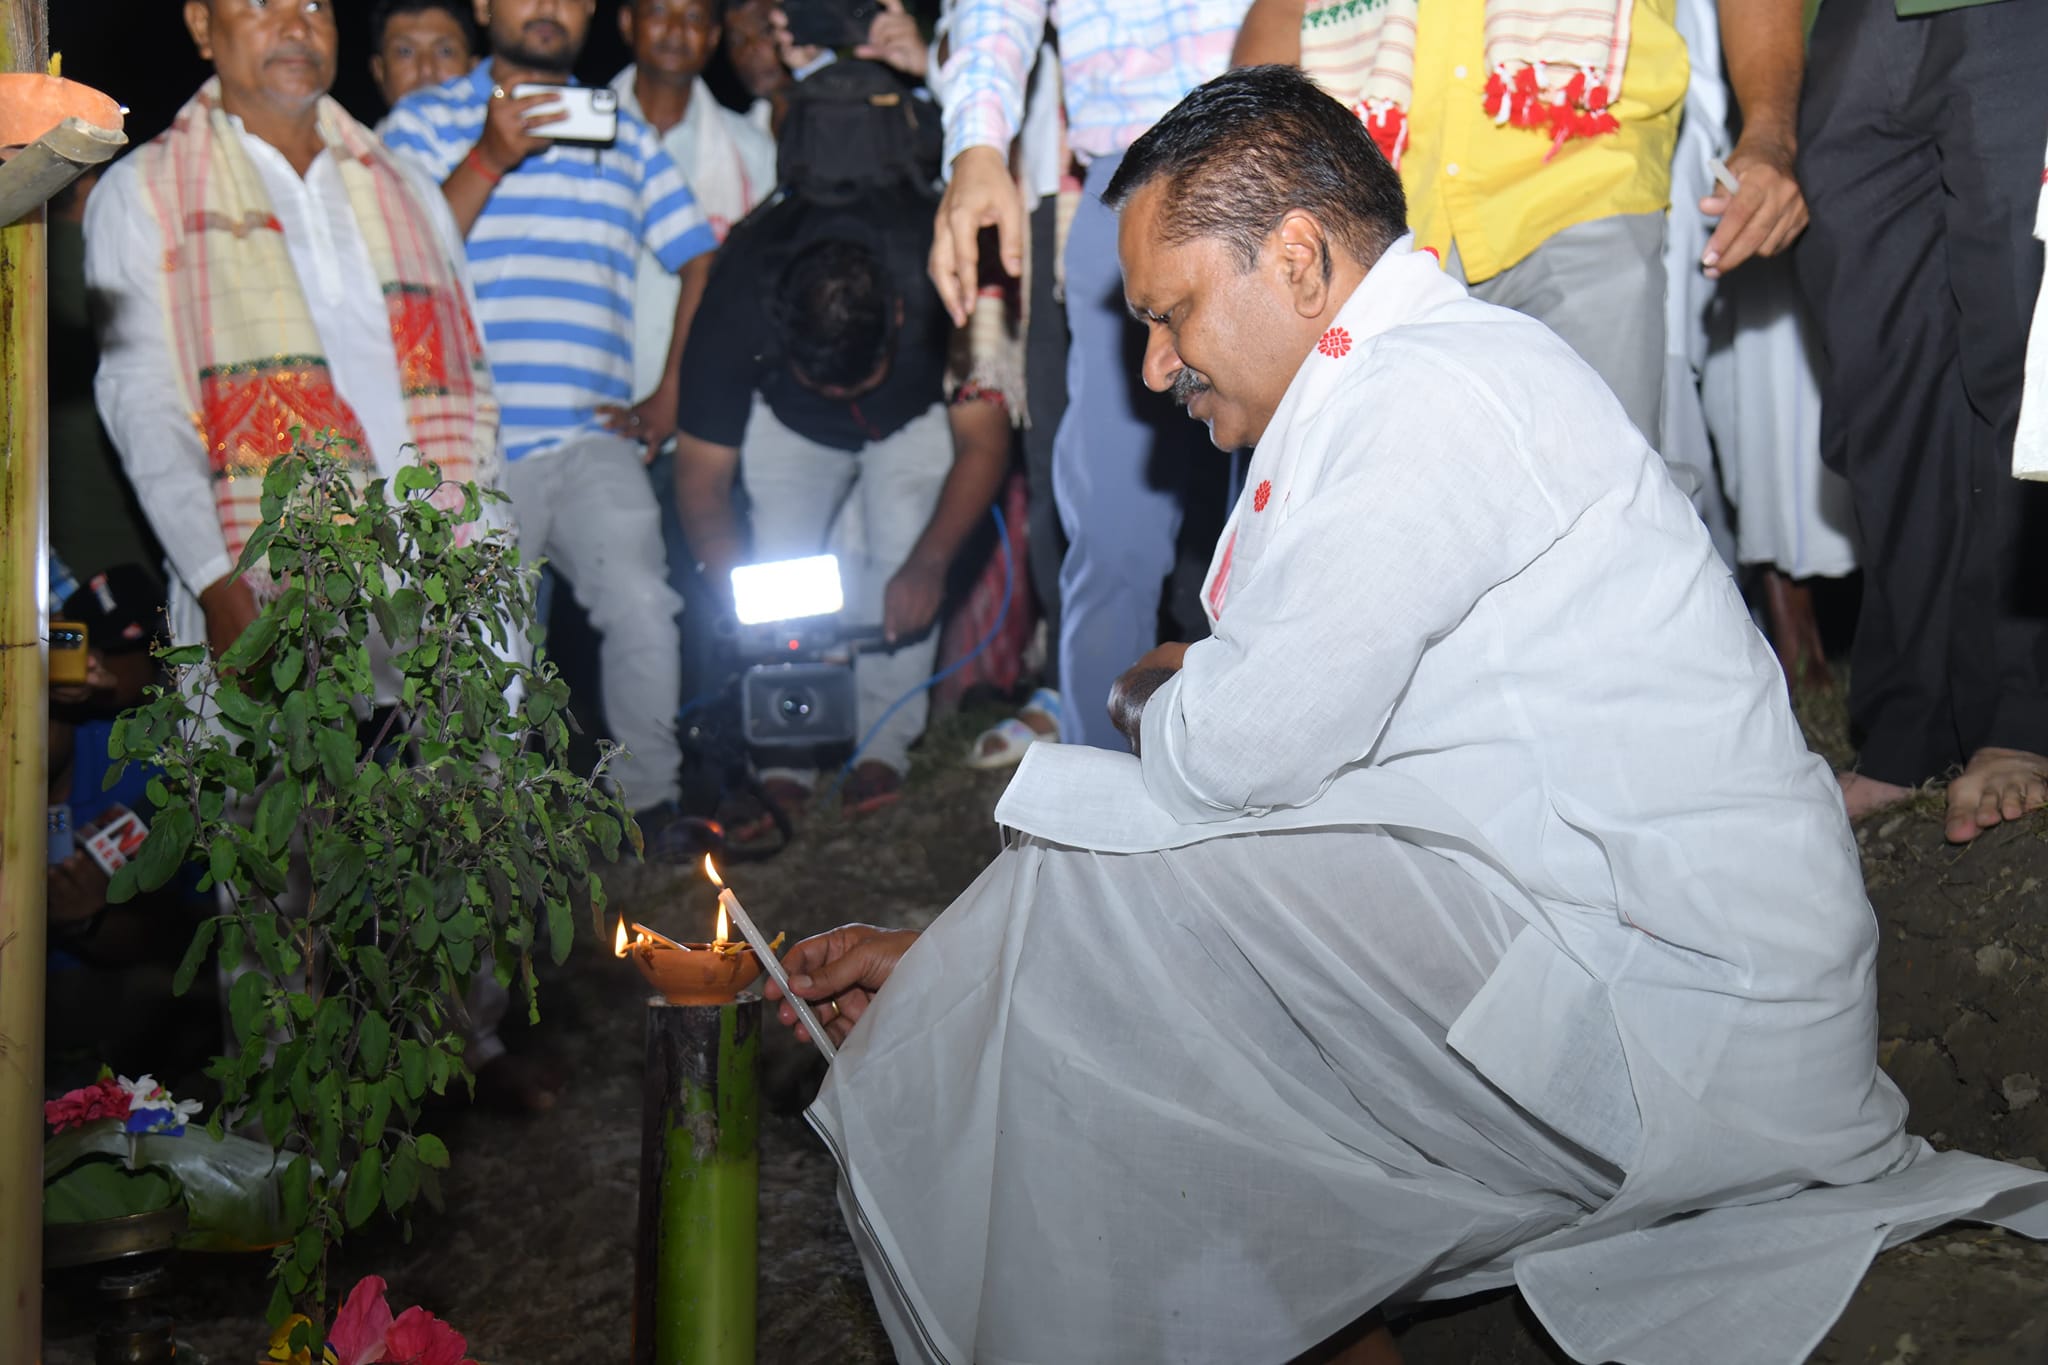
{"x":122,"y":610}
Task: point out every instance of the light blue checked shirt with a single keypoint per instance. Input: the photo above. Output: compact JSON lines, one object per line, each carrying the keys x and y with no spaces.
{"x":1124,"y":62}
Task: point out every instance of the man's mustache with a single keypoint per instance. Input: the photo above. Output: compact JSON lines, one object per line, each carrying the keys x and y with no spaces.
{"x":544,"y":28}
{"x":293,"y":52}
{"x":1187,"y":386}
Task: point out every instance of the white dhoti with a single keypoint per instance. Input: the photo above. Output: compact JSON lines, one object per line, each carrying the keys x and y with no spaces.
{"x":1226,"y":1072}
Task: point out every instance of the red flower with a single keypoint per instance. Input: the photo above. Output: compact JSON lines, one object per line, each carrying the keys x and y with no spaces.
{"x":103,"y":1099}
{"x":1335,"y":343}
{"x":420,"y":1338}
{"x":363,"y":1326}
{"x":1262,"y":495}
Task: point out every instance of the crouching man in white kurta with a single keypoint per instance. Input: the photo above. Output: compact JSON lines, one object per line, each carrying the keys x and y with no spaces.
{"x":1473,"y":913}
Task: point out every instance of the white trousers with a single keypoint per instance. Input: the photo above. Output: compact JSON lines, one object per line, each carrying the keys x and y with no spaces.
{"x":868,"y":507}
{"x":586,"y":507}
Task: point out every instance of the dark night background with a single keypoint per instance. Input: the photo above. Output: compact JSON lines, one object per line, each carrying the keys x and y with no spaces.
{"x":138,"y":52}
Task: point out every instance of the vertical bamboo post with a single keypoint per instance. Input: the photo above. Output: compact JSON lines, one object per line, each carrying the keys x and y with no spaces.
{"x":24,"y":781}
{"x":695,"y":1271}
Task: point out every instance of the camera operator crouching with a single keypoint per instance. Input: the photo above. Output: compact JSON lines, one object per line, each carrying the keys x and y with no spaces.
{"x":816,"y":374}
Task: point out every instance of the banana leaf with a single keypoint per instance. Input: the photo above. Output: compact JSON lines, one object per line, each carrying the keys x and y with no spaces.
{"x":102,"y":1187}
{"x":230,"y":1185}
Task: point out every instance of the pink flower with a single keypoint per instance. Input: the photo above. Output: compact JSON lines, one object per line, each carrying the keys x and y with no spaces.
{"x":420,"y":1338}
{"x":103,"y":1099}
{"x":362,"y":1328}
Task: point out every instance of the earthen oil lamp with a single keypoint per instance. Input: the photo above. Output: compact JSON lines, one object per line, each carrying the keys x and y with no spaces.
{"x":689,"y":973}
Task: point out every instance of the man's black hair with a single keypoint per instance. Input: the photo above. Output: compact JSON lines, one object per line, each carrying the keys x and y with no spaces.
{"x":384,"y":11}
{"x":1241,"y":152}
{"x":834,"y":313}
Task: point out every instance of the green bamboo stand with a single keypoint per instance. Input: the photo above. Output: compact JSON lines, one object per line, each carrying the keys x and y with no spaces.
{"x":697,"y":1265}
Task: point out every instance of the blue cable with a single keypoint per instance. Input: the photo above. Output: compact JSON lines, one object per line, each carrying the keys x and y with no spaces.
{"x":995,"y":628}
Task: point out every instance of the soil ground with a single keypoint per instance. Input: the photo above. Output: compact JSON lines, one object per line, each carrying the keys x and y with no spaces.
{"x":532,"y":1256}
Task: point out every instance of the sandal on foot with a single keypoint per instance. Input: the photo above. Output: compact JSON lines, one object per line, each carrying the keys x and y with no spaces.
{"x":870,"y":787}
{"x":1003,"y":744}
{"x":747,"y":818}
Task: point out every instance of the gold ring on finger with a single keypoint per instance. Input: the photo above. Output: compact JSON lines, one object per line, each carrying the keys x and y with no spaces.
{"x":835,"y":1008}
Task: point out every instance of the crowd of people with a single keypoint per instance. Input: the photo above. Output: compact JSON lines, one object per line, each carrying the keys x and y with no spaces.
{"x":1783,"y":265}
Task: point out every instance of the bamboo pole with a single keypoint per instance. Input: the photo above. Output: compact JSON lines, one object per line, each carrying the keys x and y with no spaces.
{"x":24,"y":536}
{"x":695,"y":1272}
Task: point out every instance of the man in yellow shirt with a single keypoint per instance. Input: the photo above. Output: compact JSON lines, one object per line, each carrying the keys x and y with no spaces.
{"x":1534,"y":145}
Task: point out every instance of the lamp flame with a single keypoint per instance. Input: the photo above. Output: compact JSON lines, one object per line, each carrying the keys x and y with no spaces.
{"x":619,"y":939}
{"x":724,"y":925}
{"x":711,"y":871}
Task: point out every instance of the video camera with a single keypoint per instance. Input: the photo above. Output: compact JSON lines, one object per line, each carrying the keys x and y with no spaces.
{"x":796,"y":654}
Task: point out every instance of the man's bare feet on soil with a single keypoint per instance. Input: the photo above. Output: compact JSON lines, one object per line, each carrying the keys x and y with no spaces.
{"x":1866,"y":795}
{"x":1996,"y":785}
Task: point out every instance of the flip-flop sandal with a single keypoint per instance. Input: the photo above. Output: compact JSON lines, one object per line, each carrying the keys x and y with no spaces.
{"x":1014,"y":736}
{"x":869,"y":788}
{"x":748,"y":821}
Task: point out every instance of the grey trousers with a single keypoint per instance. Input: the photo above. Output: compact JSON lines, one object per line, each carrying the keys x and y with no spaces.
{"x":586,"y":507}
{"x":868,"y":507}
{"x":1600,"y":286}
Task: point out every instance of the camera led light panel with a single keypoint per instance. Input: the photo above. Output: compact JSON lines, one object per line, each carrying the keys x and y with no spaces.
{"x":787,"y":590}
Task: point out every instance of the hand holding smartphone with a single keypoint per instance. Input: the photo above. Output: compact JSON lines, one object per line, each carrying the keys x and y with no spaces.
{"x":588,"y":113}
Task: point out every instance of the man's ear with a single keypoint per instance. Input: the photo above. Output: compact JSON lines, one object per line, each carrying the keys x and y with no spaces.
{"x":483,"y":18}
{"x":626,"y":23}
{"x":1304,"y":260}
{"x":377,"y":69}
{"x":199,"y":23}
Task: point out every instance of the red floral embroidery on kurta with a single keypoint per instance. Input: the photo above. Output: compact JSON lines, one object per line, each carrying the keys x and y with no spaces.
{"x":1262,"y":495}
{"x":1335,"y":343}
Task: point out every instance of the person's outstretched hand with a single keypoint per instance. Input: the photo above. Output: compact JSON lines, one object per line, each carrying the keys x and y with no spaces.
{"x":838,"y":972}
{"x":981,"y":194}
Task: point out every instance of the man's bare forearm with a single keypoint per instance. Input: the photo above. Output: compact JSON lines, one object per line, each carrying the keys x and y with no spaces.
{"x":1763,"y":45}
{"x":1271,"y":34}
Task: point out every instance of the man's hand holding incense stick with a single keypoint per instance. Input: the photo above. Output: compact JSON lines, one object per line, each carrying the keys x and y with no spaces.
{"x":839,"y":972}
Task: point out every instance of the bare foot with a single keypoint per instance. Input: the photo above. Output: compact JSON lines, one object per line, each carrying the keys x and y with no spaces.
{"x":1795,"y":631}
{"x":1996,"y":785}
{"x":1866,"y":795}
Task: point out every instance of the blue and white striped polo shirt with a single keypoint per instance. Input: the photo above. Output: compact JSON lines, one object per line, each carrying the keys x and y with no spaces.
{"x":553,"y":256}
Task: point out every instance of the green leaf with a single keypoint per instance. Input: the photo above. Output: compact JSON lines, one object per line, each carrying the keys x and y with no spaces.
{"x":373,"y":1043}
{"x":402,"y":1180}
{"x":195,"y":954}
{"x":163,"y":852}
{"x":102,"y":1187}
{"x":254,"y":643}
{"x":379,"y":1114}
{"x":412,"y":1067}
{"x":561,"y":928}
{"x":276,"y":813}
{"x":295,"y":1190}
{"x":365,"y":1187}
{"x":290,"y":662}
{"x":245,"y":1005}
{"x":306,"y":1249}
{"x":121,"y":887}
{"x":432,"y":1151}
{"x":338,"y":752}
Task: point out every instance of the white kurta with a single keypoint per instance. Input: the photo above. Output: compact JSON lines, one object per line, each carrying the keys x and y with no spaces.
{"x":2030,"y":445}
{"x":1475,"y":910}
{"x":137,"y":388}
